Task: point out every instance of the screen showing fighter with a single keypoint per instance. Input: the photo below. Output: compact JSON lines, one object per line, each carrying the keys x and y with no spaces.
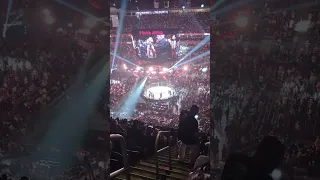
{"x":156,"y":45}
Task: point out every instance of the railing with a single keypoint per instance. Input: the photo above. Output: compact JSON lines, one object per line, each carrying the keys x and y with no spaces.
{"x":169,"y":137}
{"x":125,"y":169}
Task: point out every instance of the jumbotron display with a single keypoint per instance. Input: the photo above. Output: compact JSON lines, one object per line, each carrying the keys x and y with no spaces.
{"x":156,"y":45}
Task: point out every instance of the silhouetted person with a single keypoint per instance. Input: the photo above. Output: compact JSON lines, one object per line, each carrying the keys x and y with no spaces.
{"x":268,"y":157}
{"x":150,"y":48}
{"x":188,"y":134}
{"x":163,"y":47}
{"x":236,"y":167}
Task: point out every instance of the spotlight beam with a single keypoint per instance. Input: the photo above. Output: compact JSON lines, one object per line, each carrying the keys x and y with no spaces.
{"x":133,"y":88}
{"x":133,"y":99}
{"x":197,"y":23}
{"x":229,"y":7}
{"x":16,"y":18}
{"x":123,"y":59}
{"x":122,"y":14}
{"x":198,"y":46}
{"x":73,"y":117}
{"x":194,"y":58}
{"x":14,"y":22}
{"x":7,"y":18}
{"x":73,"y":7}
{"x":216,"y":5}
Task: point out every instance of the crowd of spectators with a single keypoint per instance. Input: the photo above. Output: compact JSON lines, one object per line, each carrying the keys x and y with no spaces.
{"x":30,"y":82}
{"x":197,"y":22}
{"x":271,"y":80}
{"x":33,"y":74}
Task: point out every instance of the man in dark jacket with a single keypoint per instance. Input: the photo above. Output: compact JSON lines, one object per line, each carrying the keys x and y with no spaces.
{"x":163,"y":47}
{"x":188,"y":134}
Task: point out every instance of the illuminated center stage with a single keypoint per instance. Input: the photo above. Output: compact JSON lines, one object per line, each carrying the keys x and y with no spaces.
{"x":159,"y":92}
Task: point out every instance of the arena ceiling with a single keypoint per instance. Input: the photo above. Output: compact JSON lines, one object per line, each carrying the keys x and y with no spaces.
{"x":95,"y":7}
{"x":100,"y":8}
{"x":64,"y":11}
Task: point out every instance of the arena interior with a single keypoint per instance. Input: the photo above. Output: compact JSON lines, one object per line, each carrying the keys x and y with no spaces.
{"x":88,"y":94}
{"x":148,"y":93}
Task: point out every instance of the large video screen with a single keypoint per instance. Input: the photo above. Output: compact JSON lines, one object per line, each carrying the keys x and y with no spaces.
{"x":158,"y":45}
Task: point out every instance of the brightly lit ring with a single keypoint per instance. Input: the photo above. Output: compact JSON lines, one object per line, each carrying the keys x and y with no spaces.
{"x":153,"y":92}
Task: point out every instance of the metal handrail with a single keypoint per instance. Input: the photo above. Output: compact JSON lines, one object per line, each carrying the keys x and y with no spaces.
{"x":125,"y":169}
{"x":168,"y":133}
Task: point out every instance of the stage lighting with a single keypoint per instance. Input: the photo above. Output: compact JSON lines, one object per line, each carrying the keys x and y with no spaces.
{"x":165,"y":69}
{"x":151,"y":69}
{"x":204,"y":69}
{"x":183,"y":7}
{"x":185,"y":68}
{"x":138,"y":68}
{"x":196,"y":117}
{"x":46,"y":12}
{"x":242,"y":21}
{"x":90,"y":22}
{"x":202,"y":5}
{"x":49,"y":20}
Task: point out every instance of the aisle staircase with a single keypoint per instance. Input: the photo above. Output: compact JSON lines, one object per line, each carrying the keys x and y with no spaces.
{"x":164,"y":164}
{"x":146,"y":169}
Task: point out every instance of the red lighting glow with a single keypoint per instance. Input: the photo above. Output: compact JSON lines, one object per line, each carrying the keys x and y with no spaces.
{"x":185,"y":68}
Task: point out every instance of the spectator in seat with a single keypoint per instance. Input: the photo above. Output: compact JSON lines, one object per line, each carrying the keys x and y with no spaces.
{"x":269,"y":155}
